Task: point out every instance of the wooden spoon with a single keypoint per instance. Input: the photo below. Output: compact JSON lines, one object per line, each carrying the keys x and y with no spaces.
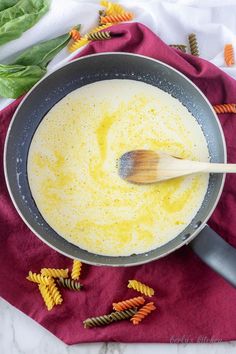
{"x":146,"y":166}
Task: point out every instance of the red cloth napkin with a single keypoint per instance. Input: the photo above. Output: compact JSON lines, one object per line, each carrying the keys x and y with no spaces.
{"x":193,"y":303}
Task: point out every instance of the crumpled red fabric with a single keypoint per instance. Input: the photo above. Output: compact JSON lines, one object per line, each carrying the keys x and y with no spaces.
{"x":194,"y":304}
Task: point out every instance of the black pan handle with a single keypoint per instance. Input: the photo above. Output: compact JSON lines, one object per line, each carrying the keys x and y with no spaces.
{"x":216,"y":253}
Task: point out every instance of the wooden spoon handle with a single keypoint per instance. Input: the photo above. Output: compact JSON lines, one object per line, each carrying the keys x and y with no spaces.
{"x":220,"y":168}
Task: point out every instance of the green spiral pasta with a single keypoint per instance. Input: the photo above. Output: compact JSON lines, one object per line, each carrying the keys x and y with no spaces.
{"x":99,"y":36}
{"x":181,"y":47}
{"x":69,"y":283}
{"x":108,"y":319}
{"x":192,"y":38}
{"x":97,"y":321}
{"x":101,"y":14}
{"x":123,"y":315}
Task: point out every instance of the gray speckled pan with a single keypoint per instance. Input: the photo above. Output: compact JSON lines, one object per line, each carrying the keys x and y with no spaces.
{"x":53,"y":88}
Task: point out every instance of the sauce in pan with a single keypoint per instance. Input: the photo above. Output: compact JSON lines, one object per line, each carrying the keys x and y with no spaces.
{"x":72,"y":167}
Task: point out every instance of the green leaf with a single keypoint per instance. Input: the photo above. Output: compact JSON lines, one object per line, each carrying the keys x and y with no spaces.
{"x":15,"y":80}
{"x":5,"y":4}
{"x":42,"y":53}
{"x":20,"y":17}
{"x":18,"y":77}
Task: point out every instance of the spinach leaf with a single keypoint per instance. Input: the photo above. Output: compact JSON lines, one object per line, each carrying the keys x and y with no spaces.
{"x":17,"y":79}
{"x":42,"y":53}
{"x":20,"y":17}
{"x":5,"y":4}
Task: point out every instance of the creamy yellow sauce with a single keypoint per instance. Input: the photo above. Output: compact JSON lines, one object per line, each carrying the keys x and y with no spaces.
{"x":72,"y":167}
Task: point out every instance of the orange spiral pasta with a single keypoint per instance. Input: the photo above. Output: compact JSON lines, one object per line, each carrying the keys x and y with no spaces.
{"x":142,"y":288}
{"x":75,"y":35}
{"x":127,"y":304}
{"x":229,"y":54}
{"x":55,"y":293}
{"x":127,"y":16}
{"x":54,"y":272}
{"x":39,"y":278}
{"x":225,"y":108}
{"x":46,"y":295}
{"x":142,"y":313}
{"x":76,"y":269}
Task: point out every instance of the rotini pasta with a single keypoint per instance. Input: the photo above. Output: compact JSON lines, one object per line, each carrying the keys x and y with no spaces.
{"x":127,"y":304}
{"x":84,"y":40}
{"x":142,"y":313}
{"x":55,"y":293}
{"x":142,"y":288}
{"x":78,"y":44}
{"x":75,"y":34}
{"x":123,"y":315}
{"x":112,"y":8}
{"x":101,"y":14}
{"x":107,"y":319}
{"x":46,"y":295}
{"x":97,"y":321}
{"x":76,"y":269}
{"x":99,"y":28}
{"x":39,"y":278}
{"x":104,"y":3}
{"x":99,"y":36}
{"x":54,"y":272}
{"x":225,"y":108}
{"x":69,"y":283}
{"x":193,"y":44}
{"x":181,"y":47}
{"x":229,"y":54}
{"x":127,"y":16}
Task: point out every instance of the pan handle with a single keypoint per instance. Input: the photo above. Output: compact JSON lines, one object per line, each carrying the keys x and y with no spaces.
{"x":216,"y":253}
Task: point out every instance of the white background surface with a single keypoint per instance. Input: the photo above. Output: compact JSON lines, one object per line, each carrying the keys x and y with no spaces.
{"x":214,"y":22}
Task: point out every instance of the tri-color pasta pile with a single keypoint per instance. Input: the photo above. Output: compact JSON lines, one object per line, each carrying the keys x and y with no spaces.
{"x":229,"y":57}
{"x":111,"y":14}
{"x":229,"y":61}
{"x":49,"y":279}
{"x":133,"y":309}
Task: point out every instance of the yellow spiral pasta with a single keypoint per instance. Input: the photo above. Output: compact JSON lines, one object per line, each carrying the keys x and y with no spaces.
{"x":112,"y":8}
{"x":142,"y":288}
{"x":104,"y":3}
{"x":76,"y":269}
{"x":54,"y":272}
{"x":78,"y":44}
{"x":99,"y":28}
{"x":39,"y":278}
{"x":46,"y":295}
{"x":55,"y":293}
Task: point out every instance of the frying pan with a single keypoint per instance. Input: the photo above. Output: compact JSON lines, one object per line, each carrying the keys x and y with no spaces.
{"x":51,"y":89}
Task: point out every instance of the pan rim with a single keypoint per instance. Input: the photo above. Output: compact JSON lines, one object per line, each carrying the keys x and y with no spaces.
{"x":114,"y":264}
